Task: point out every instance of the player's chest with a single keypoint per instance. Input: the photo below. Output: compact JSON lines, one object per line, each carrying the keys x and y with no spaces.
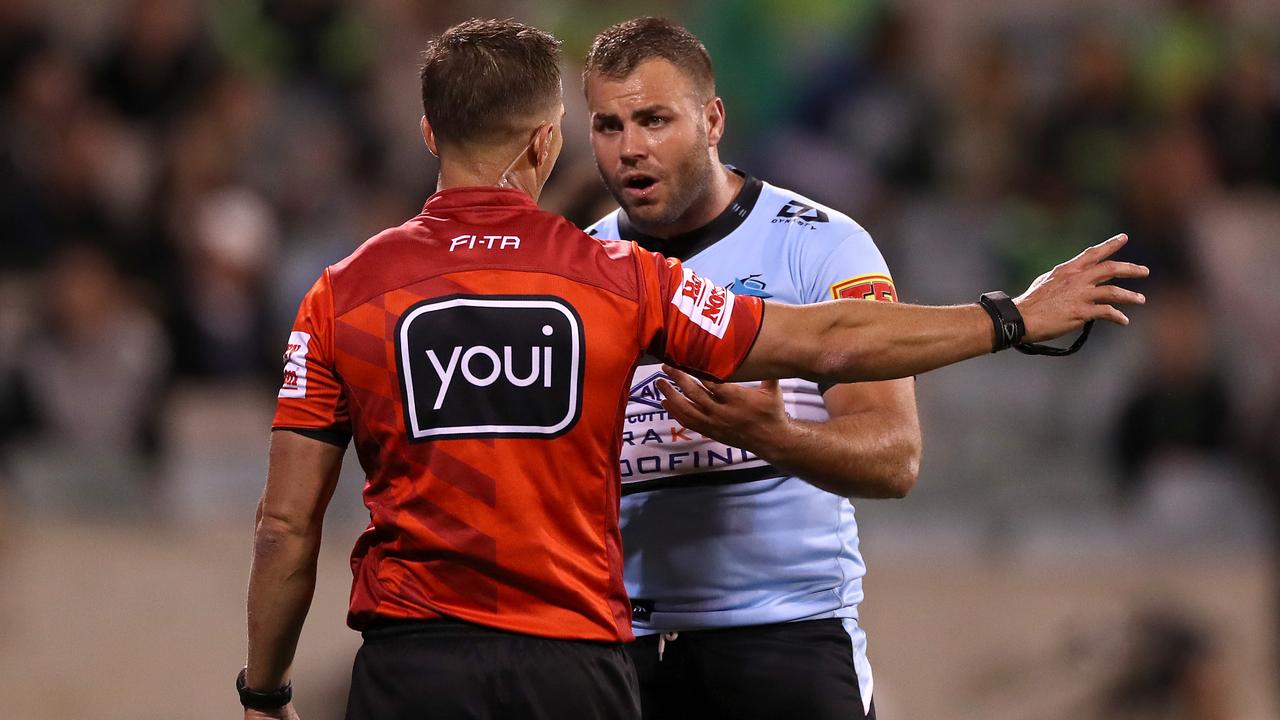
{"x":766,"y":270}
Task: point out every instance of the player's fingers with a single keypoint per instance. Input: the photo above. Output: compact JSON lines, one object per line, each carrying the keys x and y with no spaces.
{"x":1116,"y":295}
{"x":1108,"y":313}
{"x":690,"y":386}
{"x":680,"y":407}
{"x":716,"y":389}
{"x":769,"y":386}
{"x":1113,"y":269}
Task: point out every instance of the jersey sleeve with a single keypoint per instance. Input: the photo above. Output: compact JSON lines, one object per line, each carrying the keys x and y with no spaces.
{"x":311,"y":399}
{"x":693,"y":323}
{"x":852,"y":268}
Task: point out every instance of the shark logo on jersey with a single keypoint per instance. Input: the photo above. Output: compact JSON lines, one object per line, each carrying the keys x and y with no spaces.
{"x":749,"y":285}
{"x":796,"y":210}
{"x":646,"y":392}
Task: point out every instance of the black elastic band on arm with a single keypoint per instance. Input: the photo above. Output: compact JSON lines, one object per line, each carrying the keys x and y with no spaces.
{"x":1005,"y":318}
{"x":333,"y":437}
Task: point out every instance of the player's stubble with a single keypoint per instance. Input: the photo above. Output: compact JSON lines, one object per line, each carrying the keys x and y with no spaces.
{"x":688,"y":187}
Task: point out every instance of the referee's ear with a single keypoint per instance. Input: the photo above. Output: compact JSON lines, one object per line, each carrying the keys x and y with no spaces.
{"x":713,"y":114}
{"x":429,"y":137}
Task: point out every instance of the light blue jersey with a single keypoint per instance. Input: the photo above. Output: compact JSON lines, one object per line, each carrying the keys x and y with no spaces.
{"x":714,"y":536}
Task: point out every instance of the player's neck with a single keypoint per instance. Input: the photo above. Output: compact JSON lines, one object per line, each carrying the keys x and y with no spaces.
{"x":723,"y":188}
{"x":482,"y":173}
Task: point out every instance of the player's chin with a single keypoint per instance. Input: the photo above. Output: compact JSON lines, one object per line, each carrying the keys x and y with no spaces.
{"x":645,"y":210}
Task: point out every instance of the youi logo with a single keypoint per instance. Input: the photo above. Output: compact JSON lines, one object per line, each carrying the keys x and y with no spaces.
{"x":490,"y":366}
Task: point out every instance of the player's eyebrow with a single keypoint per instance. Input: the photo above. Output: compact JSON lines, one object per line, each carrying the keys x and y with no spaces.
{"x":648,"y":111}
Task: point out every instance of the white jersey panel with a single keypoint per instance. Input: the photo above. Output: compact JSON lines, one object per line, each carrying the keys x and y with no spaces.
{"x":714,"y":536}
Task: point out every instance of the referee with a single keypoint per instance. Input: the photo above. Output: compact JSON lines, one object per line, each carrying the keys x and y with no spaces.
{"x":477,"y":357}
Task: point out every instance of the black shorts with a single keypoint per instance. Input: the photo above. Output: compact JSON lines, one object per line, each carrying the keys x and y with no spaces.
{"x":788,"y":670}
{"x":447,"y":669}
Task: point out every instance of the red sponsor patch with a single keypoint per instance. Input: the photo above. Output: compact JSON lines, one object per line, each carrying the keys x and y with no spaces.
{"x":714,"y":305}
{"x":866,"y":287}
{"x":294,"y":383}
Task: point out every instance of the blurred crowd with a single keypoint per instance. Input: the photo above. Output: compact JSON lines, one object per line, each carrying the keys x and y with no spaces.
{"x":174,"y":174}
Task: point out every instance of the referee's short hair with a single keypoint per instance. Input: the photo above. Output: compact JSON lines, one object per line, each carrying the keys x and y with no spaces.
{"x":484,"y":80}
{"x":619,"y":49}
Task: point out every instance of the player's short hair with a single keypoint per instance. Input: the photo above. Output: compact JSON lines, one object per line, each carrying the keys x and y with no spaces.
{"x":482,"y":78}
{"x":619,"y":49}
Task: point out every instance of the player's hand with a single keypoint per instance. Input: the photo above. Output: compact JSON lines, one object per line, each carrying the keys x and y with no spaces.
{"x":285,"y":713}
{"x":1072,"y":293}
{"x":743,"y":417}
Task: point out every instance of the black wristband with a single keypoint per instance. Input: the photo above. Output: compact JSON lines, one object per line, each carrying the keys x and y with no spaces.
{"x":259,"y":700}
{"x":1005,"y":319}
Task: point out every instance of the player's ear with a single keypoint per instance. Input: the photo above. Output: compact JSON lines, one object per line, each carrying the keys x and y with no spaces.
{"x":713,"y":113}
{"x":429,"y":137}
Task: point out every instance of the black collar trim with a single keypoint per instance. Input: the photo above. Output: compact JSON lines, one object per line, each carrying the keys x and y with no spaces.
{"x":686,"y":245}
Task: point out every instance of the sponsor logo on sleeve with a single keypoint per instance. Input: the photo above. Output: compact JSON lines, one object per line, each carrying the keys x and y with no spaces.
{"x":866,"y":287}
{"x":708,"y":305}
{"x":490,"y":366}
{"x":295,"y":366}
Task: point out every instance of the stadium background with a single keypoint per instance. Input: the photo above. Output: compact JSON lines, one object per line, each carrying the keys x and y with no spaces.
{"x":1091,"y":537}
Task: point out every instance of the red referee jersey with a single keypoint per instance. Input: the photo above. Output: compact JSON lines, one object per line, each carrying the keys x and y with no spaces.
{"x":479,"y":355}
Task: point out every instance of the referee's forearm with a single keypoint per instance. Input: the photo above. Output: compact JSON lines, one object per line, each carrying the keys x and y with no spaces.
{"x":281,"y":584}
{"x":883,"y":341}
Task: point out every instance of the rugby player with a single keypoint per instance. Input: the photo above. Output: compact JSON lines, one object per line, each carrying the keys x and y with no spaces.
{"x":744,"y":578}
{"x":479,"y":357}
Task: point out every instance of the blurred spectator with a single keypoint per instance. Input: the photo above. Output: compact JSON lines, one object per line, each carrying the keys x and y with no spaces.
{"x":230,"y":247}
{"x":1085,"y":131}
{"x":1181,"y":412}
{"x":987,"y":144}
{"x":1172,"y":670}
{"x":1179,"y":52}
{"x":85,"y":387}
{"x":22,"y":37}
{"x":874,"y":104}
{"x":1242,"y":118}
{"x":46,"y":96}
{"x":158,"y":64}
{"x":1167,"y":180}
{"x":1265,"y":449}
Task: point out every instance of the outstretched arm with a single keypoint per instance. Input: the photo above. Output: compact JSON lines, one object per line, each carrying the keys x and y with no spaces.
{"x":301,"y":477}
{"x":851,"y":340}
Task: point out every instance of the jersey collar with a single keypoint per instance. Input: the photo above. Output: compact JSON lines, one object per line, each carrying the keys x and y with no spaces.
{"x":686,"y":245}
{"x":478,"y":196}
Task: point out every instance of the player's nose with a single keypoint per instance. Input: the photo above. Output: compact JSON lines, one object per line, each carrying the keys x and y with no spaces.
{"x":634,"y":145}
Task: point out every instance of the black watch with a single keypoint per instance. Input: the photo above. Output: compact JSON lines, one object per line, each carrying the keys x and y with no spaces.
{"x":258,"y":700}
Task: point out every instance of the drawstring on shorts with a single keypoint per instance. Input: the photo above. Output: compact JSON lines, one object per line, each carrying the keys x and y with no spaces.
{"x":663,"y":639}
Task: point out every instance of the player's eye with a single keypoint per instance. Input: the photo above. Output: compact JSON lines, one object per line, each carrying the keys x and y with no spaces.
{"x":605,"y":125}
{"x":655,"y":121}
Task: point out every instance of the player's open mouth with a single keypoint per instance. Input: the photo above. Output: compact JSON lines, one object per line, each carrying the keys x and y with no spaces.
{"x":638,"y":186}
